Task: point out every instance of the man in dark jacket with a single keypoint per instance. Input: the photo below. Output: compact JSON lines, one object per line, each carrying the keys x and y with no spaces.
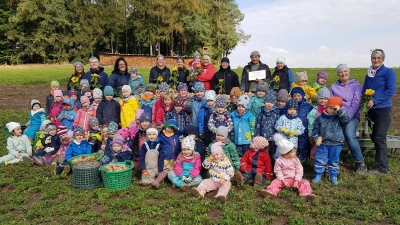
{"x":254,"y":65}
{"x":229,"y":77}
{"x":96,"y":69}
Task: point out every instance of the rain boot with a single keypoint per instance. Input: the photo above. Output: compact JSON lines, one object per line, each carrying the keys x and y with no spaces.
{"x":161,"y":177}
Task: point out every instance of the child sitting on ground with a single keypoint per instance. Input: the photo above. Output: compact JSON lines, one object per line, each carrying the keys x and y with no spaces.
{"x":83,"y":115}
{"x":129,"y":105}
{"x":328,"y":136}
{"x":257,"y":100}
{"x":54,"y":85}
{"x":57,"y":167}
{"x":221,"y":172}
{"x":178,"y":114}
{"x":166,"y":107}
{"x":206,"y":111}
{"x":40,"y":134}
{"x":94,"y":135}
{"x":136,"y":82}
{"x":255,"y":163}
{"x":108,"y":109}
{"x":50,"y":145}
{"x":78,"y":146}
{"x":186,"y":172}
{"x":118,"y":153}
{"x":234,"y":97}
{"x":56,"y":107}
{"x":18,"y":145}
{"x":67,"y":116}
{"x":221,"y":116}
{"x":36,"y":117}
{"x":281,"y":99}
{"x":301,"y":81}
{"x":151,"y":157}
{"x":288,"y":171}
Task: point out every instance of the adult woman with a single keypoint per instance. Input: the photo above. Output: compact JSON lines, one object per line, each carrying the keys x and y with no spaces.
{"x":285,"y":75}
{"x":79,"y":72}
{"x":160,"y":71}
{"x":208,"y":72}
{"x":119,"y":76}
{"x":183,"y":73}
{"x":383,"y":81}
{"x":349,"y":89}
{"x":95,"y":68}
{"x":229,"y":77}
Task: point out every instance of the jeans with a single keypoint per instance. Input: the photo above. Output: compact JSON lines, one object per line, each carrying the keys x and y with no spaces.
{"x":381,"y":119}
{"x":350,"y":136}
{"x":327,"y":155}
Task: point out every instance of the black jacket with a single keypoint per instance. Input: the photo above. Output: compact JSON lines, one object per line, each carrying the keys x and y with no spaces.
{"x":155,"y":72}
{"x":245,"y":84}
{"x":108,"y":111}
{"x":230,"y":78}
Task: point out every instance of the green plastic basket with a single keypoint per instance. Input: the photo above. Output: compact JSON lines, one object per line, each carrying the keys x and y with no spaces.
{"x":117,"y":180}
{"x":86,"y":175}
{"x":73,"y":163}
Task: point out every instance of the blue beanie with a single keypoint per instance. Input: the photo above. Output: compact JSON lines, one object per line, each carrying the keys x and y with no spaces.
{"x":297,"y":90}
{"x":198,"y":86}
{"x":270,"y":97}
{"x":108,"y":91}
{"x":292,"y":104}
{"x":145,"y":117}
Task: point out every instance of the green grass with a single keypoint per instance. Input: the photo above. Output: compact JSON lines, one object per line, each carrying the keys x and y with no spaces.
{"x":30,"y":196}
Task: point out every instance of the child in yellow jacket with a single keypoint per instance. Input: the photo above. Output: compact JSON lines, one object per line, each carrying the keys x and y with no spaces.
{"x":129,"y":105}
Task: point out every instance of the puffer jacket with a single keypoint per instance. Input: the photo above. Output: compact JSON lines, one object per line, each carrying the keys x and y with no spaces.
{"x":229,"y":77}
{"x":265,"y":125}
{"x":330,"y":127}
{"x":75,"y":149}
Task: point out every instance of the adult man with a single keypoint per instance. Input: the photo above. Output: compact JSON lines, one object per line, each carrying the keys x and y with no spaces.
{"x":255,"y":65}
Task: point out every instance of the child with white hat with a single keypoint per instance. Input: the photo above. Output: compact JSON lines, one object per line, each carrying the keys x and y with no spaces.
{"x":18,"y":145}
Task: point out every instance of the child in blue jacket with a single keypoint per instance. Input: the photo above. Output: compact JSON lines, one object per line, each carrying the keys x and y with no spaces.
{"x":79,"y":145}
{"x":67,"y":116}
{"x":36,"y":117}
{"x":118,"y":153}
{"x":204,"y":116}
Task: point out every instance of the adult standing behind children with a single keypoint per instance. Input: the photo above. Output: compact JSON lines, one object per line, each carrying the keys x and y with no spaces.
{"x":226,"y":76}
{"x":120,"y":75}
{"x":95,"y":68}
{"x":160,"y":72}
{"x":208,"y":71}
{"x":349,"y":90}
{"x":78,"y":72}
{"x":286,"y":75}
{"x":382,"y":80}
{"x":254,"y":65}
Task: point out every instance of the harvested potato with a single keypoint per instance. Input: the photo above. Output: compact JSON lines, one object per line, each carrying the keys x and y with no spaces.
{"x":115,"y":167}
{"x":85,"y":159}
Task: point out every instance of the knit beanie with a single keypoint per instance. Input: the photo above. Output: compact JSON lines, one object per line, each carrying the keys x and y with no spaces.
{"x":341,"y":66}
{"x":84,"y":99}
{"x":206,"y":57}
{"x":72,"y":92}
{"x":182,"y":86}
{"x":210,"y":95}
{"x":270,"y":97}
{"x":255,"y":53}
{"x":178,"y":101}
{"x":284,"y":145}
{"x":322,"y":74}
{"x":220,"y":101}
{"x":263,"y":86}
{"x":280,"y":59}
{"x":190,"y":129}
{"x":196,"y":53}
{"x":54,"y":83}
{"x":108,"y":91}
{"x":291,"y":103}
{"x":163,"y":87}
{"x":198,"y":86}
{"x":260,"y":142}
{"x":145,"y":117}
{"x":58,"y":93}
{"x":138,"y":113}
{"x":33,"y":102}
{"x":301,"y":76}
{"x":51,"y":127}
{"x":297,"y":90}
{"x":225,"y":59}
{"x":152,"y":131}
{"x":84,"y":81}
{"x":222,"y":130}
{"x":126,"y":88}
{"x":133,"y":70}
{"x":188,"y":143}
{"x":235,"y":92}
{"x":283,"y":95}
{"x":97,"y":93}
{"x":118,"y":140}
{"x":93,"y":121}
{"x":12,"y":125}
{"x":62,"y":132}
{"x":78,"y":63}
{"x":334,"y":101}
{"x":112,"y":127}
{"x":244,"y":100}
{"x":171,"y":123}
{"x":70,"y":134}
{"x":217,"y":148}
{"x":324,"y":93}
{"x":151,"y":87}
{"x":44,"y":124}
{"x":86,"y":89}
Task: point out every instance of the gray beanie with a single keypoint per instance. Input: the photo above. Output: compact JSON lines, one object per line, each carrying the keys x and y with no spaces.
{"x":244,"y":100}
{"x":301,"y":76}
{"x":283,"y":95}
{"x":263,"y":86}
{"x":77,"y":63}
{"x":84,"y":81}
{"x":341,"y":66}
{"x":324,"y":93}
{"x":34,"y":101}
{"x":223,"y":131}
{"x":220,"y":101}
{"x":196,"y":53}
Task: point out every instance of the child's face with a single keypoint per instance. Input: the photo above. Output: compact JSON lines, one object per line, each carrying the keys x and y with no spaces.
{"x":84,"y":86}
{"x":79,"y":137}
{"x":52,"y":132}
{"x":280,"y":104}
{"x":67,"y":107}
{"x":63,"y":137}
{"x":269,"y":105}
{"x":133,"y":75}
{"x":111,"y":136}
{"x":197,"y":58}
{"x":221,"y":110}
{"x":73,"y":97}
{"x":192,"y":135}
{"x":217,"y":156}
{"x":152,"y":136}
{"x":126,"y":93}
{"x":302,"y":83}
{"x":210,"y":103}
{"x":59,"y":99}
{"x":321,"y":81}
{"x":117,"y":148}
{"x":183,"y":93}
{"x":252,"y":146}
{"x":187,"y":152}
{"x":290,"y":154}
{"x":179,"y":62}
{"x":292,"y":111}
{"x":261,"y":94}
{"x":145,"y":124}
{"x":234,"y":100}
{"x":330,"y":110}
{"x":167,"y":101}
{"x":148,"y":93}
{"x":36,"y":107}
{"x":241,"y":109}
{"x":220,"y":138}
{"x":88,"y":94}
{"x":85,"y":105}
{"x":178,"y":108}
{"x":162,"y":93}
{"x":104,"y":130}
{"x":65,"y":96}
{"x":170,"y":130}
{"x":17,"y":131}
{"x":95,"y":127}
{"x":97,"y":100}
{"x":109,"y":97}
{"x":297,"y":96}
{"x":200,"y":94}
{"x":322,"y":101}
{"x":55,"y":87}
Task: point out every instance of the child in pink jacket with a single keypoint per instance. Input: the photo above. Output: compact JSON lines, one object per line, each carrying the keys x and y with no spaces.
{"x":83,"y":114}
{"x":288,"y":171}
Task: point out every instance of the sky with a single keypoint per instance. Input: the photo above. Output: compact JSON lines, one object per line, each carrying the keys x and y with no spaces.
{"x":319,"y":33}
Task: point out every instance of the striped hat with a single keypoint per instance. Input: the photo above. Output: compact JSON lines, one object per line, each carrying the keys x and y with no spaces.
{"x":259,"y":142}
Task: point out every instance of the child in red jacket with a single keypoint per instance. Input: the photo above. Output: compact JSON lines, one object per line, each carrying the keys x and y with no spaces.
{"x":255,"y":164}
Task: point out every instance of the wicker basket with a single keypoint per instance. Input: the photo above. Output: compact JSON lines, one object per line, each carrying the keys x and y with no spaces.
{"x":93,"y":154}
{"x":118,"y":180}
{"x":86,"y":175}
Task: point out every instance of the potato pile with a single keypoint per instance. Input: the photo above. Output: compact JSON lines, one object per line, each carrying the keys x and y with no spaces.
{"x":85,"y":159}
{"x":115,"y":167}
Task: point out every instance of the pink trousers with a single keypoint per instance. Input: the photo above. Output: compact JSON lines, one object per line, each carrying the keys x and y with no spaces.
{"x":304,"y":186}
{"x":208,"y":185}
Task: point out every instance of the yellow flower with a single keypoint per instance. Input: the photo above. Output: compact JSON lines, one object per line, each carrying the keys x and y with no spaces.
{"x":160,"y":79}
{"x":198,"y":65}
{"x":75,"y":79}
{"x":221,"y":80}
{"x":175,"y":68}
{"x":277,"y":79}
{"x":317,"y":88}
{"x":369,"y":92}
{"x":95,"y":75}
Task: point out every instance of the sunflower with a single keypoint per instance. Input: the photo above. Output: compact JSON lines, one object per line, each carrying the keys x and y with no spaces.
{"x":198,"y":65}
{"x":221,"y":80}
{"x":95,"y":75}
{"x":277,"y":79}
{"x":75,"y":79}
{"x":160,"y":79}
{"x":369,"y":92}
{"x":175,"y":68}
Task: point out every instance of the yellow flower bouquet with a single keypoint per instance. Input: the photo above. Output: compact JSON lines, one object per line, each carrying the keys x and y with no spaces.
{"x":275,"y":82}
{"x":74,"y":83}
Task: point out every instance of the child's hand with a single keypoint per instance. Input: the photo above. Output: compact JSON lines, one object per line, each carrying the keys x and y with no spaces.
{"x":18,"y":156}
{"x":285,"y":183}
{"x":222,"y":181}
{"x":30,"y":154}
{"x":295,"y":184}
{"x":318,"y":142}
{"x":188,"y":179}
{"x":145,"y":173}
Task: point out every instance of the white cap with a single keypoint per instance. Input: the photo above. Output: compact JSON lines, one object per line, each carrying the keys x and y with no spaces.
{"x":284,"y":145}
{"x":12,"y":125}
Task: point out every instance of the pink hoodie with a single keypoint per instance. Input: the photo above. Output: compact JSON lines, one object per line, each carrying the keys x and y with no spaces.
{"x":288,"y":168}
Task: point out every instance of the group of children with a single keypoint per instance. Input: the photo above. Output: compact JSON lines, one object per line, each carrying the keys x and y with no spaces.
{"x":200,"y":141}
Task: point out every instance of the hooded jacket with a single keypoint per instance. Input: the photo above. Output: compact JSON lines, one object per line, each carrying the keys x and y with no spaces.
{"x":265,"y":125}
{"x":350,"y":94}
{"x":103,"y":77}
{"x":108,"y":111}
{"x":330,"y":127}
{"x":128,"y":110}
{"x":75,"y":149}
{"x":206,"y":76}
{"x":229,"y":77}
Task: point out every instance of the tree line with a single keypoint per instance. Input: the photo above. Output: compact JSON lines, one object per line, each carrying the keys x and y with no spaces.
{"x":53,"y":31}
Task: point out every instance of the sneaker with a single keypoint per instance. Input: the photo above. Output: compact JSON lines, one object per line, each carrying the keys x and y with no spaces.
{"x":239,"y":178}
{"x":361,"y":168}
{"x":257,"y":180}
{"x":38,"y":161}
{"x":220,"y":197}
{"x":66,"y":170}
{"x":308,"y":197}
{"x":197,"y":193}
{"x":184,"y":187}
{"x":374,"y":172}
{"x":334,"y":180}
{"x":266,"y":193}
{"x":317,"y":178}
{"x":27,"y":159}
{"x":44,"y":161}
{"x":53,"y":169}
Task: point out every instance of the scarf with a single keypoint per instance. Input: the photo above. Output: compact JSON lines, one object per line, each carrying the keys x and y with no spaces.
{"x":147,"y":97}
{"x":168,"y":134}
{"x":372,"y":71}
{"x":290,"y":117}
{"x":320,"y":109}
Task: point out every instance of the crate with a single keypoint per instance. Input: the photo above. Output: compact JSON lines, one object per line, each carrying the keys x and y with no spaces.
{"x":86,"y":175}
{"x":118,"y":180}
{"x":92,"y":154}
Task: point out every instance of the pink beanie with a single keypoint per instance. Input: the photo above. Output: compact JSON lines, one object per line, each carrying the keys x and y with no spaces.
{"x":58,"y":93}
{"x":84,"y":99}
{"x":217,"y":148}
